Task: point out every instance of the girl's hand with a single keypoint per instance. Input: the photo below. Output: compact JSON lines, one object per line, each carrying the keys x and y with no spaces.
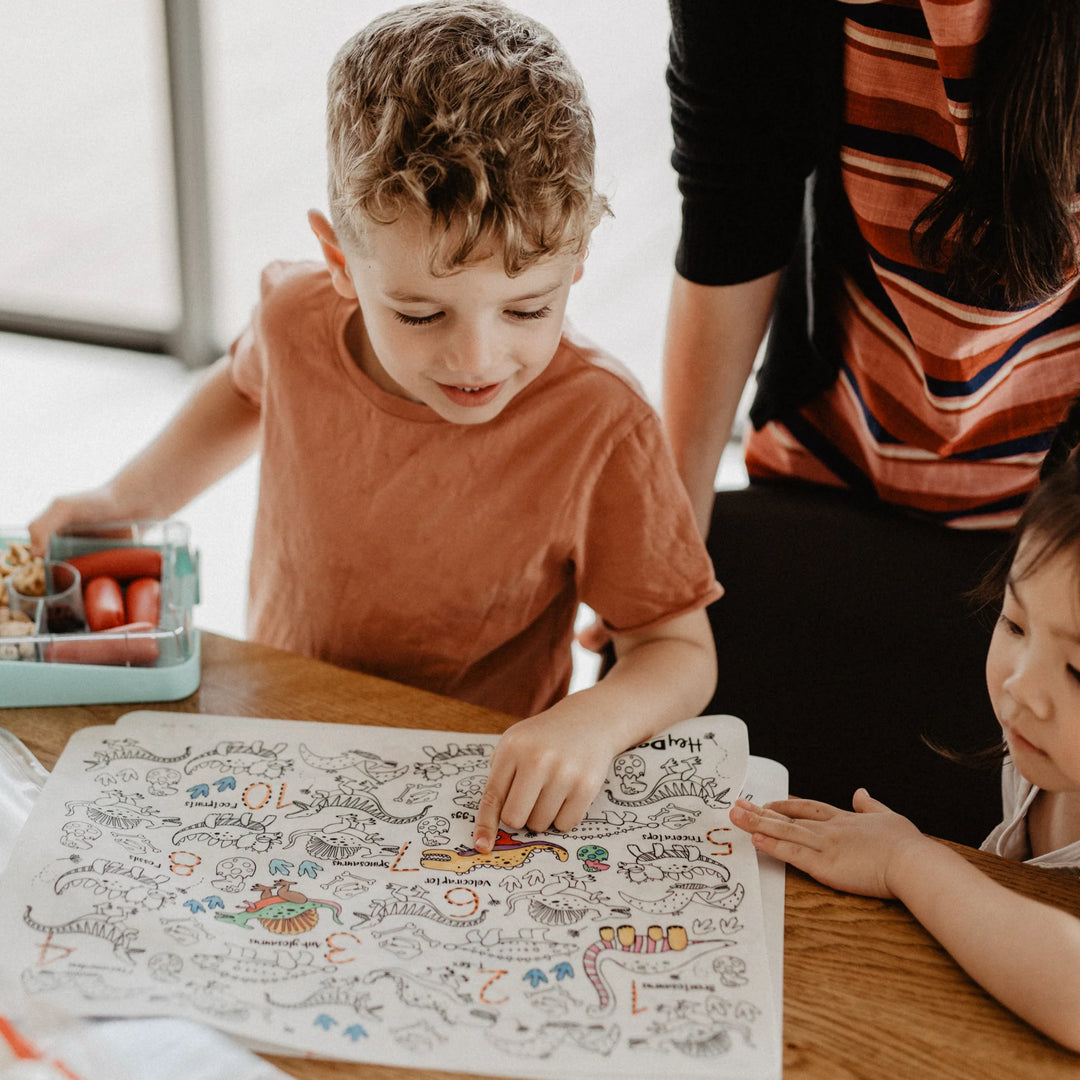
{"x":853,"y":852}
{"x":545,"y":771}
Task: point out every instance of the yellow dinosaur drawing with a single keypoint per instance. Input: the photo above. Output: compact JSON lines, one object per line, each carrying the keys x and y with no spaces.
{"x":506,"y":854}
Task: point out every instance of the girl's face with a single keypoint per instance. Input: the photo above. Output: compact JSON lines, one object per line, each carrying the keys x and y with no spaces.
{"x":1033,"y":668}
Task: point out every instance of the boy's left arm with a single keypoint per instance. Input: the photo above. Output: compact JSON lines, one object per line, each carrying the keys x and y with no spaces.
{"x":547,"y":769}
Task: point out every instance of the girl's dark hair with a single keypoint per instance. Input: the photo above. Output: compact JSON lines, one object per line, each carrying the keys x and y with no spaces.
{"x":1051,"y":514}
{"x":1005,"y":225}
{"x":1051,"y":517}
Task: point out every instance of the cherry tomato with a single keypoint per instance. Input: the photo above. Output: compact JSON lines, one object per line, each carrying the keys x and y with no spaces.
{"x":104,"y":603}
{"x":112,"y":647}
{"x":142,"y":601}
{"x":122,"y":563}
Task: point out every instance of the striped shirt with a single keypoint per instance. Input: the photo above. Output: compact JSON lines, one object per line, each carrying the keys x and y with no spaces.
{"x":940,"y":407}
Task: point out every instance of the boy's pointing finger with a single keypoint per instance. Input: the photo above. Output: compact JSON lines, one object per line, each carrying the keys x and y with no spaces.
{"x":490,"y":809}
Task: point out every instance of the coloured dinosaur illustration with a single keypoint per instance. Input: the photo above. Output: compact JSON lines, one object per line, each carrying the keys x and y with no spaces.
{"x":285,"y":911}
{"x":656,"y":952}
{"x":506,"y":854}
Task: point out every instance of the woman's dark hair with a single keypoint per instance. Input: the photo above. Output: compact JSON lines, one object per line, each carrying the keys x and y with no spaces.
{"x":1005,"y":226}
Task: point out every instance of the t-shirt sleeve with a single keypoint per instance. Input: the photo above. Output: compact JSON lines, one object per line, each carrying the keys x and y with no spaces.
{"x":745,"y":90}
{"x":641,"y":560}
{"x":247,"y":366}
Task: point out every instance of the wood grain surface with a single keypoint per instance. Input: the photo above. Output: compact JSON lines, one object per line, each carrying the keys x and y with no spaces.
{"x":868,"y":994}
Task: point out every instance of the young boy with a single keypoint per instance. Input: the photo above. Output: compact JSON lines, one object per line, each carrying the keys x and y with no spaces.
{"x":446,"y":472}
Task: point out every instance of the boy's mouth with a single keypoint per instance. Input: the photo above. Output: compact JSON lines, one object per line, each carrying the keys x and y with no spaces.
{"x":470,"y":396}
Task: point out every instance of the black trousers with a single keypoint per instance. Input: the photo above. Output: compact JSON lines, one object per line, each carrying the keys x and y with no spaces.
{"x":844,"y":636}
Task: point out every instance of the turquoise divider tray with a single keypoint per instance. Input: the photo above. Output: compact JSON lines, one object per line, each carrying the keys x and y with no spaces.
{"x":23,"y":683}
{"x":37,"y":680}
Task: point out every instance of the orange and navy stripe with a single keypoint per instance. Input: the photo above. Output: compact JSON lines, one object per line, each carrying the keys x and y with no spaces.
{"x":944,"y":405}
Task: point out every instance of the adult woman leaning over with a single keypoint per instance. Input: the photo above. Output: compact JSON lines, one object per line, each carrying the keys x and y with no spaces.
{"x":891,"y":189}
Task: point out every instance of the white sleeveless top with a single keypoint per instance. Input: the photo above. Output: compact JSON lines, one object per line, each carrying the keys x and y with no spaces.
{"x":1010,"y":838}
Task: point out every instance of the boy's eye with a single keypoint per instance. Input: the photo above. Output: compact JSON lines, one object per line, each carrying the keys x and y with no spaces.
{"x":416,"y":320}
{"x":1009,"y":625}
{"x":1073,"y":673}
{"x":541,"y":313}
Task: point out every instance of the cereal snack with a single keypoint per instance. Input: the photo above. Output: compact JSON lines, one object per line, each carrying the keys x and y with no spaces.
{"x":14,"y":624}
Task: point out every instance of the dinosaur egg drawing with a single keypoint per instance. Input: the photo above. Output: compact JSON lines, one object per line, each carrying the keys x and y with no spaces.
{"x":233,"y":872}
{"x":630,"y":771}
{"x":163,"y":781}
{"x":78,"y":834}
{"x":593,"y":858}
{"x":165,"y":967}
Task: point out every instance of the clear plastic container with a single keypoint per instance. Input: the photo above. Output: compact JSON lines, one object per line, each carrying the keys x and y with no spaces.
{"x":22,"y":776}
{"x":159,"y":663}
{"x":60,"y":609}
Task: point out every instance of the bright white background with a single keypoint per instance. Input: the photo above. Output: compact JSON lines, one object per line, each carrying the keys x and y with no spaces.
{"x":85,"y":218}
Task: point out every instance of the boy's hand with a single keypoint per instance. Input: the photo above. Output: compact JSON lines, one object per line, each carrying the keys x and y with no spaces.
{"x":548,"y":769}
{"x":854,"y":852}
{"x":83,"y":508}
{"x":545,"y":771}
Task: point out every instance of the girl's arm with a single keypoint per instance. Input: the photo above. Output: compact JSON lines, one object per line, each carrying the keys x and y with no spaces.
{"x":1024,"y":953}
{"x":214,"y":431}
{"x":548,"y":769}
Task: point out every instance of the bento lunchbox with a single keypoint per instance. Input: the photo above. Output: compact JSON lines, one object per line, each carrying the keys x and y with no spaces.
{"x":51,"y":658}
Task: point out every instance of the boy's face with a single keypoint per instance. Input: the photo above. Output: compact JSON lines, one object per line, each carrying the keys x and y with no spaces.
{"x":1033,"y":670}
{"x":465,"y":344}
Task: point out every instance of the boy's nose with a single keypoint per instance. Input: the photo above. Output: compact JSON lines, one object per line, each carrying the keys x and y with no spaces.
{"x":469,"y":353}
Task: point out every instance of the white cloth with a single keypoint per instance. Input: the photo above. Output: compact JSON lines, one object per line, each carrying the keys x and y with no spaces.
{"x":22,"y":776}
{"x":1010,"y":838}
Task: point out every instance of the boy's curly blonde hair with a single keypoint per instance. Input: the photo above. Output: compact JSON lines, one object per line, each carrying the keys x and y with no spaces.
{"x":473,"y":113}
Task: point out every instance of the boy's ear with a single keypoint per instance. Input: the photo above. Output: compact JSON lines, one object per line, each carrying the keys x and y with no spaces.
{"x":579,"y":269}
{"x":333,"y":254}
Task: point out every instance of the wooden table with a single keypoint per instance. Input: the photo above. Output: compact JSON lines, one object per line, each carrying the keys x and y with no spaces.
{"x":867,"y":992}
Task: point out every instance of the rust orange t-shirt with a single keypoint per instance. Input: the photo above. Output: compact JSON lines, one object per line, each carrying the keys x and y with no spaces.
{"x":447,"y":556}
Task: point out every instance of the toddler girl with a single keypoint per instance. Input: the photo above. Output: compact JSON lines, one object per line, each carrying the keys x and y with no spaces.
{"x":1025,"y":953}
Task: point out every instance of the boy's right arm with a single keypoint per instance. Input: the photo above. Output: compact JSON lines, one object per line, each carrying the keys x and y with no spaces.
{"x":713,"y":335}
{"x":215,"y":430}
